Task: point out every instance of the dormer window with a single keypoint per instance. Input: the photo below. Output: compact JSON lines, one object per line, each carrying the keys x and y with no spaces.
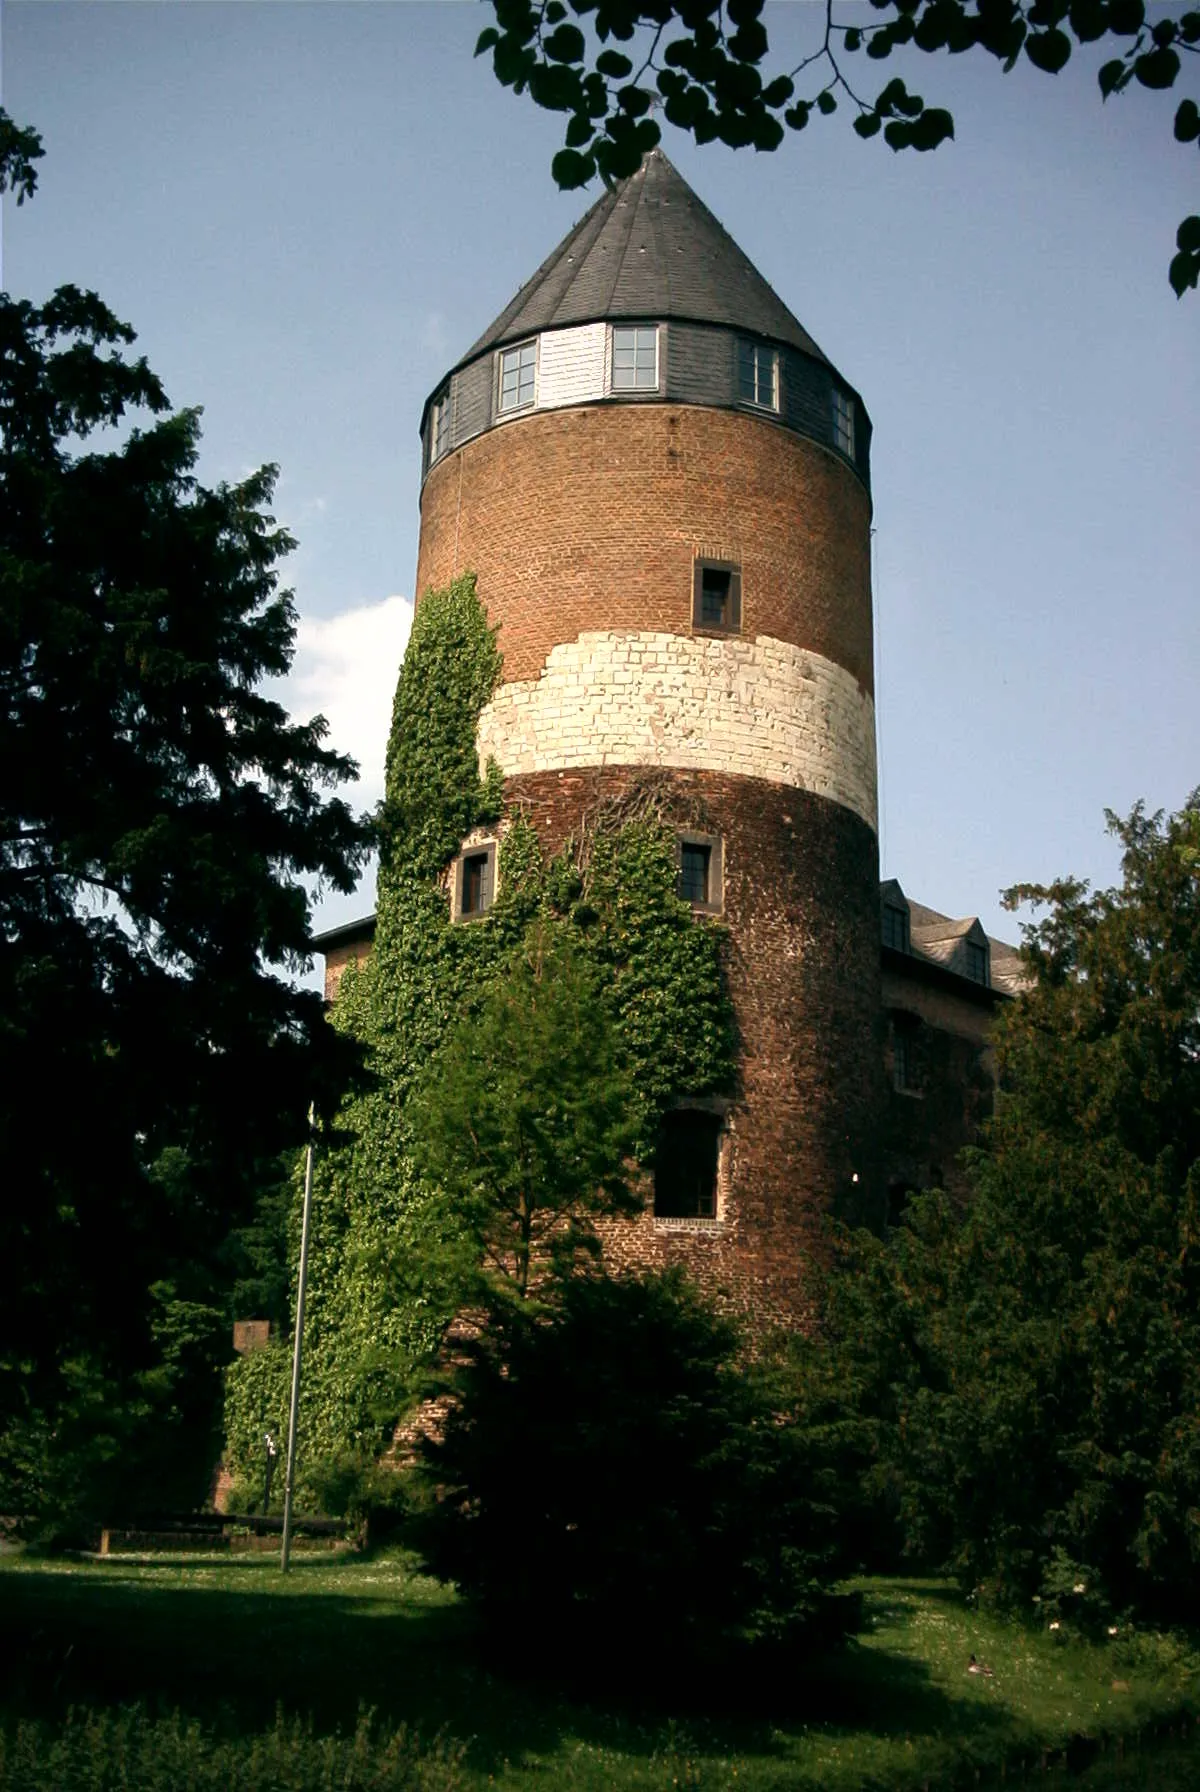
{"x":843,"y":421}
{"x":895,"y":927}
{"x":758,"y":375}
{"x":518,"y":377}
{"x":635,"y":358}
{"x":439,"y":425}
{"x":977,"y":962}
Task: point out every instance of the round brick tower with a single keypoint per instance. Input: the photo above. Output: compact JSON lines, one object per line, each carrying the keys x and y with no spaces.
{"x":662,"y":486}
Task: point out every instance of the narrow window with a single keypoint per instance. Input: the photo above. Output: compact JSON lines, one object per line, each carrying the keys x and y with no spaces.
{"x":518,"y":372}
{"x":977,"y":962}
{"x":895,"y":927}
{"x":717,"y":596}
{"x":439,"y":426}
{"x":701,"y":862}
{"x":901,"y":1066}
{"x":635,"y":358}
{"x":758,"y":375}
{"x":695,"y":865}
{"x":898,"y":1196}
{"x":473,"y":889}
{"x":843,"y":421}
{"x":685,"y":1172}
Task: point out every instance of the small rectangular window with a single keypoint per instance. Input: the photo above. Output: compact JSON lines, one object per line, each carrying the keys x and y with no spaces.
{"x":901,"y":1067}
{"x":717,"y":596}
{"x":473,"y":889}
{"x":685,"y":1170}
{"x":701,"y":862}
{"x":895,"y":927}
{"x":695,"y":864}
{"x":758,"y":375}
{"x":843,"y":421}
{"x":439,"y":426}
{"x":977,"y":962}
{"x":635,"y":358}
{"x":518,"y":375}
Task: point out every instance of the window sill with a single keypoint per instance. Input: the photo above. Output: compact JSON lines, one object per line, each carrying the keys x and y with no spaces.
{"x":663,"y":1224}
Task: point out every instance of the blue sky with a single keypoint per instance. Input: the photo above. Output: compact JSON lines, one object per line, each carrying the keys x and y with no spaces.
{"x":309,"y":211}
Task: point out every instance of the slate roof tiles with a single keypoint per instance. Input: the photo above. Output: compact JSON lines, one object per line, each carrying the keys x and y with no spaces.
{"x":647,"y":249}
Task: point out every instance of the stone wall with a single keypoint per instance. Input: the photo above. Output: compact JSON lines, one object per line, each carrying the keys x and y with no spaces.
{"x":758,"y":708}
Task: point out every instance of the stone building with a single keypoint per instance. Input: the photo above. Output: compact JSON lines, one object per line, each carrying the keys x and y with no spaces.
{"x":663,"y":487}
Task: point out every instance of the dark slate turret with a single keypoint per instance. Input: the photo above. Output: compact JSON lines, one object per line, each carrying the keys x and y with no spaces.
{"x":648,"y":253}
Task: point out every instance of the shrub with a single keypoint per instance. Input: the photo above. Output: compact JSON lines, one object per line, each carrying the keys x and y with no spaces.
{"x":611,"y":1473}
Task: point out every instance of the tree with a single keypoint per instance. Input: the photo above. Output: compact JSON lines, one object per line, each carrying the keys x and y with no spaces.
{"x":1032,"y":1364}
{"x":157,"y":813}
{"x":524,"y":1122}
{"x":622,"y":1492}
{"x":702,"y":61}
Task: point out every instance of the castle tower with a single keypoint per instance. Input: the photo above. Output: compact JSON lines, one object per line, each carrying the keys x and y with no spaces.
{"x":662,"y":485}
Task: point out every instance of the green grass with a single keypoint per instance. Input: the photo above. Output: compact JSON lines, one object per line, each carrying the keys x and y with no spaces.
{"x":245,"y":1681}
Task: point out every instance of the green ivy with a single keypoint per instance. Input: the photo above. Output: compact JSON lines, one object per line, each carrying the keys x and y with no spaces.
{"x":376,"y":1309}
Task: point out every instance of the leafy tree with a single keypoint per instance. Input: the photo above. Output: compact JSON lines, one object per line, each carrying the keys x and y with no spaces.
{"x":1030,"y":1368}
{"x":614,"y":1484}
{"x":707,"y":63}
{"x":157,"y":814}
{"x":523,"y":1123}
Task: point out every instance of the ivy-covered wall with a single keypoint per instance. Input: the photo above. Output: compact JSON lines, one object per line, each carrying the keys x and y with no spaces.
{"x":376,"y":1307}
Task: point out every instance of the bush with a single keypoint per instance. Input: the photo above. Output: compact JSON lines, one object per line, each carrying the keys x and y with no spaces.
{"x":611,"y":1472}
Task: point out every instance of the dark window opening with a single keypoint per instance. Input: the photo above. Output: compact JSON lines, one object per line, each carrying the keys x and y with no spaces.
{"x":901,"y":1062}
{"x":898,"y":1196}
{"x":977,"y":962}
{"x":695,"y":869}
{"x":474,"y":876}
{"x":685,"y":1170}
{"x":717,"y":596}
{"x":895,"y":927}
{"x":474,"y":888}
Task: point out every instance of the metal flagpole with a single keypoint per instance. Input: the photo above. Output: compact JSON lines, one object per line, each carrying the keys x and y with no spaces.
{"x":289,"y":1484}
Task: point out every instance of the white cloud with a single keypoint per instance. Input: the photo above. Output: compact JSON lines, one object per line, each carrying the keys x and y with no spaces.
{"x":345,"y":670}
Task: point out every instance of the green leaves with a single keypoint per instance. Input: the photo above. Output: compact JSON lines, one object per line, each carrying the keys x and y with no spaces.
{"x":1157,"y":68}
{"x":571,"y":169}
{"x":1185,"y":265}
{"x":20,"y":148}
{"x":1187,"y":122}
{"x":1048,"y":50}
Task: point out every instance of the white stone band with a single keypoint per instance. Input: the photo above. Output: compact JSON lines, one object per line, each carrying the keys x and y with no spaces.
{"x":755,"y":709}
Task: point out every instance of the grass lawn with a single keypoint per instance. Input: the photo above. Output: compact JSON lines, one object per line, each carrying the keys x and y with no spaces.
{"x":211,"y":1649}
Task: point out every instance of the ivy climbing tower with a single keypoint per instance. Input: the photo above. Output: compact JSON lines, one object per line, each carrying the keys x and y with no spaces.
{"x":663,"y":488}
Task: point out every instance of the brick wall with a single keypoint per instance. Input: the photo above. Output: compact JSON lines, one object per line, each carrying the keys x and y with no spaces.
{"x":800,"y":878}
{"x":590,"y":518}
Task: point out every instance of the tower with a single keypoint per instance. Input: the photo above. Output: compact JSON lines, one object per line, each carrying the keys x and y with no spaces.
{"x":662,"y":486}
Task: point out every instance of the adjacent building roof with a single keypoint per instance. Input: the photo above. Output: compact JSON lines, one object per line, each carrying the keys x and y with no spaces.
{"x":934,"y":937}
{"x":647,"y":249}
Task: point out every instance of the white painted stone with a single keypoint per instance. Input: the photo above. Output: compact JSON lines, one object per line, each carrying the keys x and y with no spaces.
{"x":760,"y":708}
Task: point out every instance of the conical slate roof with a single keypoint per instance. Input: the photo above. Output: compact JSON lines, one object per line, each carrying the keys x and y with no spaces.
{"x":648,"y":249}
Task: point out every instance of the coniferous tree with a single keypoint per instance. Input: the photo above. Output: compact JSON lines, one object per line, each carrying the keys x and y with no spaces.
{"x":157,"y":815}
{"x":1026,"y":1372}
